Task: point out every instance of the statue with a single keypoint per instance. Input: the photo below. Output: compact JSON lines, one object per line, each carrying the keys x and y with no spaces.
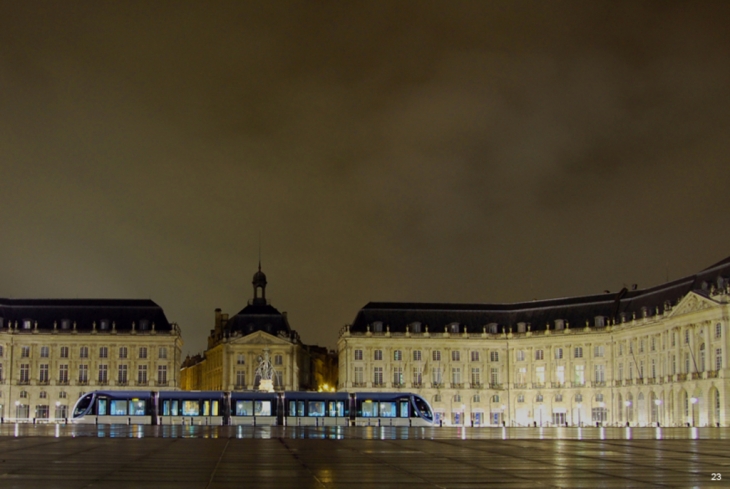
{"x":265,"y":372}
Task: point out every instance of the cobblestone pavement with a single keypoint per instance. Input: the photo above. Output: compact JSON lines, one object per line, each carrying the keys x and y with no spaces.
{"x":50,"y":456}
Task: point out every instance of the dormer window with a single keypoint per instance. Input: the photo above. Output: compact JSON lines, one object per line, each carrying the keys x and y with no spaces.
{"x":65,"y":324}
{"x":520,"y":327}
{"x":454,"y":328}
{"x":26,"y":323}
{"x":493,"y":328}
{"x":144,"y":325}
{"x":600,"y":321}
{"x":559,"y":324}
{"x":415,"y":327}
{"x":378,"y":327}
{"x":104,"y":324}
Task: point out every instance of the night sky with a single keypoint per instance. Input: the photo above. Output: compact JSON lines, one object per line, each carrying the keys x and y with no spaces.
{"x":383,"y":151}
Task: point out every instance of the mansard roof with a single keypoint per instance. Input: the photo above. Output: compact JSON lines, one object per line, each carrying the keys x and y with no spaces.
{"x":121,"y":313}
{"x":575,"y":311}
{"x":259,"y":316}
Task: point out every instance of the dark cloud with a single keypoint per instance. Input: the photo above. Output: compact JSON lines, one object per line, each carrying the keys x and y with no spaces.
{"x":420,"y":151}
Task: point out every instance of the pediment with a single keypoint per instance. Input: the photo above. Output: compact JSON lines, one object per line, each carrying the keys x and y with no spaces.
{"x":692,"y":302}
{"x":259,"y":338}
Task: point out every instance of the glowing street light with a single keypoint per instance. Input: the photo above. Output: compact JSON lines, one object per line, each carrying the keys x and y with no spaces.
{"x":657,"y":403}
{"x":579,"y":406}
{"x":694,"y":401}
{"x":627,"y":404}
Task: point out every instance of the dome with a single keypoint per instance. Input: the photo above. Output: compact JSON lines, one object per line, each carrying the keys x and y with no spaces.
{"x":259,"y":278}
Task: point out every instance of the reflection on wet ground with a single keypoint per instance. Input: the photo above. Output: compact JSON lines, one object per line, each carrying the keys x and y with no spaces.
{"x":361,"y":433}
{"x":147,"y":457}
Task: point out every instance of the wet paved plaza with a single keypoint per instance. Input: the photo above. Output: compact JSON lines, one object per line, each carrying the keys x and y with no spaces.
{"x":52,"y":456}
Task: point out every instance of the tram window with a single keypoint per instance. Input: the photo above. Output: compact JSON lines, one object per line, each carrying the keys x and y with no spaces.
{"x":136,"y":407}
{"x":244,"y":408}
{"x":316,"y":408}
{"x":118,"y":408}
{"x":263,"y":408}
{"x":214,"y":411}
{"x":369,"y":409}
{"x":292,"y":408}
{"x":101,"y":407}
{"x":165,"y":408}
{"x":336,"y":409}
{"x":404,"y":409}
{"x":387,"y":409}
{"x":190,"y":408}
{"x":300,"y":408}
{"x":206,"y":408}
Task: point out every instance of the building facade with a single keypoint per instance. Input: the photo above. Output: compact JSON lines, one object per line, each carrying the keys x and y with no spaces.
{"x":639,"y":357}
{"x":237,"y":346}
{"x":54,"y":351}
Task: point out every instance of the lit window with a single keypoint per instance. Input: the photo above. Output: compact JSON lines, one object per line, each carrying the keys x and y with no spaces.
{"x":397,"y":355}
{"x":558,"y":353}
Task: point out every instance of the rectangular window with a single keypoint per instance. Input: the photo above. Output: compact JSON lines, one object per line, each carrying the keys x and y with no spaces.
{"x":123,"y":352}
{"x":539,"y":354}
{"x":641,"y":345}
{"x":540,"y":375}
{"x":398,"y":376}
{"x":522,"y":375}
{"x":599,"y":373}
{"x":359,"y":376}
{"x":43,"y":376}
{"x":417,"y":376}
{"x":620,"y":349}
{"x":620,"y":371}
{"x":558,"y":354}
{"x":494,"y":376}
{"x":44,"y":351}
{"x":142,"y":375}
{"x":397,"y":355}
{"x":476,"y":377}
{"x":162,"y":375}
{"x":578,"y":352}
{"x":122,"y":378}
{"x":378,"y":376}
{"x":64,"y":352}
{"x":378,"y":355}
{"x":436,"y":376}
{"x":674,"y":364}
{"x":493,"y":356}
{"x":560,"y":374}
{"x":142,"y":352}
{"x":24,"y":373}
{"x":520,"y":355}
{"x":278,"y":360}
{"x":25,"y":352}
{"x":240,"y":359}
{"x":162,"y":353}
{"x":718,"y":359}
{"x":653,"y":343}
{"x":103,"y":352}
{"x":83,"y":374}
{"x":416,"y":355}
{"x":580,"y":375}
{"x":103,"y":374}
{"x":456,"y":376}
{"x":240,"y":379}
{"x":718,"y":330}
{"x":474,"y":356}
{"x":653,"y":368}
{"x":598,"y":351}
{"x":674,"y":338}
{"x":63,"y":374}
{"x":358,"y":354}
{"x":84,"y":352}
{"x":455,"y":356}
{"x":436,"y":355}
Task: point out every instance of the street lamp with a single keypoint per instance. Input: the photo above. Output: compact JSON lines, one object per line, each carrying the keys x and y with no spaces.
{"x":657,"y":403}
{"x":694,"y":401}
{"x":579,"y":406}
{"x":627,"y":404}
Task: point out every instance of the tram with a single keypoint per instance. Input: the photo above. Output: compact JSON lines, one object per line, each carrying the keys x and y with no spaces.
{"x":217,"y":408}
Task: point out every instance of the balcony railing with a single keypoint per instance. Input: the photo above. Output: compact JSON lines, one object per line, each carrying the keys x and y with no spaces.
{"x":143,"y":382}
{"x":63,"y":382}
{"x":122,"y":382}
{"x":493,"y":385}
{"x":476,"y":385}
{"x":103,"y":382}
{"x":239,"y":387}
{"x":696,"y":375}
{"x":378,"y":384}
{"x":520,"y":385}
{"x":83,"y":381}
{"x":24,"y":382}
{"x":398,"y":385}
{"x":417,"y":385}
{"x":358,"y":384}
{"x":437,"y":385}
{"x":681,"y":377}
{"x":538,"y":385}
{"x":712,"y":374}
{"x":601,"y":383}
{"x":43,"y":382}
{"x":457,"y":385}
{"x":161,"y":383}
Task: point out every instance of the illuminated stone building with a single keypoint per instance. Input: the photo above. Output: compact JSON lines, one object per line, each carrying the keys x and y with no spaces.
{"x":642,"y":357}
{"x":54,"y":350}
{"x":237,"y":344}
